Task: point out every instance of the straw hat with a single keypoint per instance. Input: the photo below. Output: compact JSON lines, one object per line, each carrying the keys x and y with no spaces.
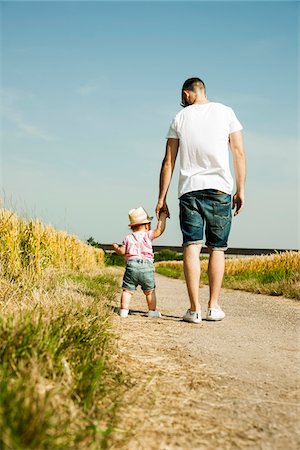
{"x":138,"y":216}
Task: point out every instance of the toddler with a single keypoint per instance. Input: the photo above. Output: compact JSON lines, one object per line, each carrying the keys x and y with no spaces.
{"x":138,"y":252}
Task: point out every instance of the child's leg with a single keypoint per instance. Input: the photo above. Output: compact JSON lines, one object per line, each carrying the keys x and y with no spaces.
{"x":151,"y":299}
{"x":125,"y":301}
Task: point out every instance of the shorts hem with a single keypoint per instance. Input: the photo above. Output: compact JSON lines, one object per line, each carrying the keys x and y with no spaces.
{"x":148,"y":291}
{"x":131,"y":291}
{"x":185,"y":244}
{"x":223,"y":249}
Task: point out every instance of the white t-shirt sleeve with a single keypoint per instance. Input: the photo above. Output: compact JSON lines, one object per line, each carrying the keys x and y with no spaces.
{"x":234,"y":123}
{"x":172,"y":133}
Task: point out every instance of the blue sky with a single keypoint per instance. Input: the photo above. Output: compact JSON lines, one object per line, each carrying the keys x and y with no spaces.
{"x":89,"y":89}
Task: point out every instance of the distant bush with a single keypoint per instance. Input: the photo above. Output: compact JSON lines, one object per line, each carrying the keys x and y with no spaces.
{"x":167,"y":255}
{"x":111,"y":259}
{"x":91,"y":241}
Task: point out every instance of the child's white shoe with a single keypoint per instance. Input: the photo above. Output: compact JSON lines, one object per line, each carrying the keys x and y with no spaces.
{"x":155,"y":313}
{"x":124,"y":312}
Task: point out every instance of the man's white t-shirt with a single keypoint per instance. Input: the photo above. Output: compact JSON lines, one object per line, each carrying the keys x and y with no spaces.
{"x":203,"y":132}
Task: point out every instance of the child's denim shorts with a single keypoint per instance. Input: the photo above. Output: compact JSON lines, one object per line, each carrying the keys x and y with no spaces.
{"x":139,"y":272}
{"x":210,"y":208}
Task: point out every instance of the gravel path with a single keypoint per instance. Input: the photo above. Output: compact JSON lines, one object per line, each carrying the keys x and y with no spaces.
{"x":232,"y":384}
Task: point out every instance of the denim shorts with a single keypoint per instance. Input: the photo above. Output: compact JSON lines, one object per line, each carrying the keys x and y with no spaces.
{"x":139,"y":272}
{"x":210,"y":208}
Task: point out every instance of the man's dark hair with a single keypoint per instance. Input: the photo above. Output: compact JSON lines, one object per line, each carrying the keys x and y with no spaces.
{"x":189,"y":85}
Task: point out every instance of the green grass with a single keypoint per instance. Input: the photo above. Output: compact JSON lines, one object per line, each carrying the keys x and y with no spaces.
{"x":280,"y":281}
{"x":271,"y":283}
{"x":59,"y":379}
{"x":172,"y":272}
{"x":167,"y":255}
{"x":103,"y":284}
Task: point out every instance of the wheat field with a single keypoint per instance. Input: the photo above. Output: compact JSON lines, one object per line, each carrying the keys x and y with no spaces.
{"x":60,"y":379}
{"x":276,"y":274}
{"x":32,"y":246}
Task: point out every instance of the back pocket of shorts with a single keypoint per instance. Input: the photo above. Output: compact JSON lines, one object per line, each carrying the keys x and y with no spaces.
{"x":222,"y":214}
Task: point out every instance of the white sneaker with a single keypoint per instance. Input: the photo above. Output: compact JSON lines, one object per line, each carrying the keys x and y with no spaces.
{"x":155,"y":313}
{"x":215,"y":313}
{"x":192,"y":316}
{"x":124,"y":312}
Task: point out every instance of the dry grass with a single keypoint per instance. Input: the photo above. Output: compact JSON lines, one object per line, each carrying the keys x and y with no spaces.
{"x":60,"y":379}
{"x":277,"y":274}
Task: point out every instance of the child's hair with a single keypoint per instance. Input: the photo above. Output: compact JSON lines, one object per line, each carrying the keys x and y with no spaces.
{"x":138,"y":227}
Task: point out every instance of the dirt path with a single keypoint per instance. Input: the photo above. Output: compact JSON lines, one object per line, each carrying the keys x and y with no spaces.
{"x":232,"y":384}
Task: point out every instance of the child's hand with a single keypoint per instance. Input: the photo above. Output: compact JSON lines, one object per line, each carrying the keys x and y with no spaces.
{"x":163,"y":214}
{"x":165,"y":210}
{"x":120,"y":250}
{"x":161,"y":224}
{"x":162,"y":207}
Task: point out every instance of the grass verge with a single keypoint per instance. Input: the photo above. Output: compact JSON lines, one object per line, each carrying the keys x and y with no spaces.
{"x":60,"y":380}
{"x":277,"y":274}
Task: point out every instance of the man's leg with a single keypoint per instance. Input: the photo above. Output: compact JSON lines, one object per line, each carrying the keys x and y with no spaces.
{"x":216,"y":267}
{"x":191,"y":266}
{"x":218,"y":222}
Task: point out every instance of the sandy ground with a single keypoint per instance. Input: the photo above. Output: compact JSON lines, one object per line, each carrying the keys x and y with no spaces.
{"x":233,"y":384}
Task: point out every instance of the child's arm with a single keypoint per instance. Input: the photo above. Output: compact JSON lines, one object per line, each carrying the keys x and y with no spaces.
{"x":119,"y":249}
{"x":161,"y":224}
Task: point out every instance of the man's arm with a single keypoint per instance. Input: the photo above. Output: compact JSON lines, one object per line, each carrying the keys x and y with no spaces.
{"x":237,"y":148}
{"x":166,"y":172}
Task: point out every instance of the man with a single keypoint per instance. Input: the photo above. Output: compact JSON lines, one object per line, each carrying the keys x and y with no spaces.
{"x":201,"y":133}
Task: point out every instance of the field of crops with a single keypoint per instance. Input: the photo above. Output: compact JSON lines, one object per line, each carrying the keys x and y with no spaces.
{"x":60,"y":380}
{"x":277,"y":274}
{"x":32,"y":246}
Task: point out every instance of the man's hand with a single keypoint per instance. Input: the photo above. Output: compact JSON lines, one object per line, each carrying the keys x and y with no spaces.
{"x":237,"y":148}
{"x":162,"y":207}
{"x":115,"y":247}
{"x":238,"y":202}
{"x":167,"y":168}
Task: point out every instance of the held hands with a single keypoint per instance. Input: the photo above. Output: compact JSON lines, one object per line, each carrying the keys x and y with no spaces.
{"x":162,"y":207}
{"x":238,"y":202}
{"x":162,"y":213}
